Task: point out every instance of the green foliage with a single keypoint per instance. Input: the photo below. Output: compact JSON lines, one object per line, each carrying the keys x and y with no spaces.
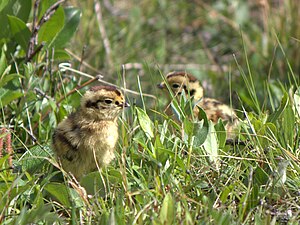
{"x":19,"y":9}
{"x":145,"y":122}
{"x":52,"y":27}
{"x":20,"y":31}
{"x":72,"y":19}
{"x":167,"y":211}
{"x":28,"y":109}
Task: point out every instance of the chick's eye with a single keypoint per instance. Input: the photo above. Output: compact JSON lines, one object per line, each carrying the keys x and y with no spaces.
{"x":175,"y":85}
{"x":117,"y":103}
{"x":108,"y":101}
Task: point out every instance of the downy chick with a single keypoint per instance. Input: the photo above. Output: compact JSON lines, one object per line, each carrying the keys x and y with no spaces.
{"x":86,"y":139}
{"x":214,"y":109}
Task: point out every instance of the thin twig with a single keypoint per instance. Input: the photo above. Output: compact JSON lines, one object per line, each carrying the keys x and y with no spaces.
{"x":33,"y":138}
{"x":96,"y":78}
{"x":168,"y":67}
{"x":78,"y":88}
{"x":68,"y":94}
{"x":41,"y":93}
{"x":127,"y":90}
{"x":66,"y":67}
{"x":63,"y":67}
{"x":36,"y":27}
{"x":34,"y":52}
{"x":32,"y":40}
{"x":102,"y":30}
{"x":79,"y":59}
{"x":48,"y":14}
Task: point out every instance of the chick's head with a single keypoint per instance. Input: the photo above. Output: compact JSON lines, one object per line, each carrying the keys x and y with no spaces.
{"x":179,"y":81}
{"x":103,"y":102}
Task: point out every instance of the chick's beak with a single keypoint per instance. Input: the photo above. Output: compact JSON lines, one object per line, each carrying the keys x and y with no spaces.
{"x":161,"y":85}
{"x":125,"y":105}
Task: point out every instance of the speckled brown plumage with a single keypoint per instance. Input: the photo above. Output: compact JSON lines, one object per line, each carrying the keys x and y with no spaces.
{"x":214,"y":109}
{"x":86,"y":139}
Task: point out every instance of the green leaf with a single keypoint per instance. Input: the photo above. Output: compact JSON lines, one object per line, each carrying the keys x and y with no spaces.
{"x":261,"y":176}
{"x":6,"y":71}
{"x":202,"y":115}
{"x":167,"y":211}
{"x":211,"y":144}
{"x":188,"y":107}
{"x":15,"y":189}
{"x":3,"y":3}
{"x":60,"y":192}
{"x":6,"y":78}
{"x":179,"y":161}
{"x":7,"y":96}
{"x":34,"y":158}
{"x":254,"y":197}
{"x":297,"y":101}
{"x":61,"y":55}
{"x":262,"y":129}
{"x":221,"y":133}
{"x":72,"y":19}
{"x":20,"y":31}
{"x":201,"y":128}
{"x":18,"y":8}
{"x":225,"y":193}
{"x":145,"y":122}
{"x":37,"y":214}
{"x":275,"y":115}
{"x":93,"y":184}
{"x":3,"y":63}
{"x":288,"y":124}
{"x":178,"y":113}
{"x":50,"y":29}
{"x":44,"y":6}
{"x":188,"y":126}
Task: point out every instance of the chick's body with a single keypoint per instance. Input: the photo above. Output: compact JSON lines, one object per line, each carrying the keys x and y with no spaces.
{"x":86,"y":139}
{"x":214,"y":109}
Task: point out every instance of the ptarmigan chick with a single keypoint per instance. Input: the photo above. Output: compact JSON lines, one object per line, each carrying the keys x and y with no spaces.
{"x":214,"y":109}
{"x":86,"y":139}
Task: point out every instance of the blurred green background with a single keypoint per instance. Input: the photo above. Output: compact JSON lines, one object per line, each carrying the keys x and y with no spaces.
{"x":207,"y":38}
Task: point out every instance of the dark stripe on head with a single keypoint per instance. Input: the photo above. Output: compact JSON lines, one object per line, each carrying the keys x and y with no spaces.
{"x":183,"y":74}
{"x":192,"y":92}
{"x":90,"y":104}
{"x":107,"y":88}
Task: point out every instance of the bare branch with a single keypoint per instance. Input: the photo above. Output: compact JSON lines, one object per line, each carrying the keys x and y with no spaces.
{"x":36,"y":27}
